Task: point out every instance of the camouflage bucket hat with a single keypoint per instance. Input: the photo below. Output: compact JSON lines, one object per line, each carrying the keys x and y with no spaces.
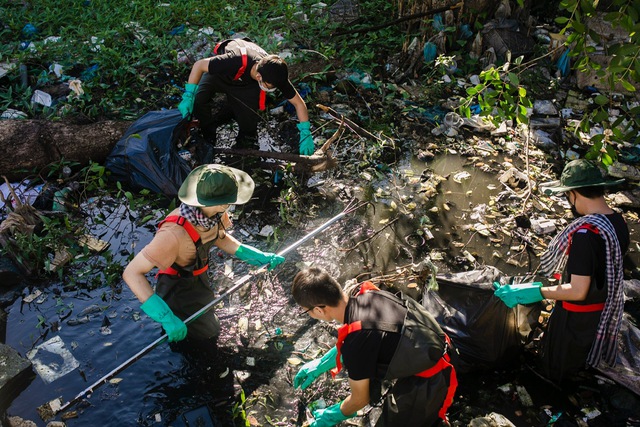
{"x":577,"y":174}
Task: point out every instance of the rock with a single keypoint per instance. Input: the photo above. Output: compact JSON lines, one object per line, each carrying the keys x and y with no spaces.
{"x":9,"y":274}
{"x":625,"y":199}
{"x":492,"y":420}
{"x":15,"y":375}
{"x":19,"y":422}
{"x":620,"y":170}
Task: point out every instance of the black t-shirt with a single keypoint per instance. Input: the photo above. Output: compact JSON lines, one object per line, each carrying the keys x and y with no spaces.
{"x":228,"y":63}
{"x":587,"y":252}
{"x":367,"y":350}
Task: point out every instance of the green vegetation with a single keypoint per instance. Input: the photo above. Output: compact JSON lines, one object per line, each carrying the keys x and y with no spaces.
{"x":134,"y":58}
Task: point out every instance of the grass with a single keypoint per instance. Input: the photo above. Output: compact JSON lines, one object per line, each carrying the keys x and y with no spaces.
{"x":126,"y":55}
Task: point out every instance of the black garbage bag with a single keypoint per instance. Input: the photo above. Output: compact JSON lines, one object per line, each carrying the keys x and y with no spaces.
{"x":147,"y":156}
{"x":486,"y":333}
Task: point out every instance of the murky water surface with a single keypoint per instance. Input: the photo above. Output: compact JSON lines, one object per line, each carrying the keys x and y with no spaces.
{"x":264,"y":338}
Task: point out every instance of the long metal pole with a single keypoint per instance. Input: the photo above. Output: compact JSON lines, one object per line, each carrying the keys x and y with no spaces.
{"x":237,"y":285}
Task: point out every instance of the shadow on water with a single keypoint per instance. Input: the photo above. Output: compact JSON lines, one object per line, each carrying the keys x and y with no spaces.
{"x":264,"y":339}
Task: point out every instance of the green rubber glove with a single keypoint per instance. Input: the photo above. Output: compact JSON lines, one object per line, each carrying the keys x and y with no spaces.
{"x":524,"y":293}
{"x":158,"y":310}
{"x":188,"y":97}
{"x":313,"y":369}
{"x":256,"y":257}
{"x":329,"y":417}
{"x":307,"y":147}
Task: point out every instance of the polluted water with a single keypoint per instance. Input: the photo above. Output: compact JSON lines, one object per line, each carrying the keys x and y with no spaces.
{"x":433,"y":211}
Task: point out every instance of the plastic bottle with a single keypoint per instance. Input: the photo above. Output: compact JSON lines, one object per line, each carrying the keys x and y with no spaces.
{"x":59,"y":199}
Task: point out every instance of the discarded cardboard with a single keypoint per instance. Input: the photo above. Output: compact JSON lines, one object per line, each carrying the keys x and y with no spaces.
{"x":94,"y":244}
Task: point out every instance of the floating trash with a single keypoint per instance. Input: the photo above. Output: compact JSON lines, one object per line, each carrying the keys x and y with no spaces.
{"x":460,"y":176}
{"x":52,"y":360}
{"x":29,"y":298}
{"x":295,"y":361}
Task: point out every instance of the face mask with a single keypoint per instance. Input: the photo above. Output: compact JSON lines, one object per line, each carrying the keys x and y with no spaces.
{"x":574,"y":212}
{"x":264,"y":88}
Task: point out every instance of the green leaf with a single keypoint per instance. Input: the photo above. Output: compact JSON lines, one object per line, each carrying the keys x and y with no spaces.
{"x":578,"y":26}
{"x":562,"y":20}
{"x":606,"y":159}
{"x":628,"y":86}
{"x":146,"y":219}
{"x":522,"y":110}
{"x":596,"y":140}
{"x":601,"y":100}
{"x":601,"y":116}
{"x":513,"y":78}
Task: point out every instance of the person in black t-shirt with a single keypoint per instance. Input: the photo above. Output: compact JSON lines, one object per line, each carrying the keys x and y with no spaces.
{"x":244,"y":72}
{"x":383,"y":338}
{"x":587,"y":259}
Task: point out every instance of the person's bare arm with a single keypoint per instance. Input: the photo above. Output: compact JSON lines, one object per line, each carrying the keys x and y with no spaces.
{"x":300,"y":106}
{"x":358,"y":398}
{"x":576,"y":290}
{"x":229,"y":244}
{"x":199,"y":68}
{"x":134,"y":277}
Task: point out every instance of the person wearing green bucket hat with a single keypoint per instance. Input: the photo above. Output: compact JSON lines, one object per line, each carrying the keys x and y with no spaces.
{"x":585,"y":259}
{"x":180,"y":250}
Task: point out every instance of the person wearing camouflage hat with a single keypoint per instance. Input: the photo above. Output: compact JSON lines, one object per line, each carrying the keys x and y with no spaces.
{"x":586,"y":259}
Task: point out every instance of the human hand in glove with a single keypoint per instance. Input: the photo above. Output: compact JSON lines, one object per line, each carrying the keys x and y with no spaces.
{"x":256,"y":257}
{"x":523,"y":293}
{"x":307,"y":146}
{"x":313,"y":369}
{"x":158,"y":310}
{"x":329,"y":417}
{"x":188,"y":97}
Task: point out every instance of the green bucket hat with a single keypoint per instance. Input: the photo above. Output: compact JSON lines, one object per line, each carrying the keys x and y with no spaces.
{"x":214,"y":185}
{"x":577,"y":174}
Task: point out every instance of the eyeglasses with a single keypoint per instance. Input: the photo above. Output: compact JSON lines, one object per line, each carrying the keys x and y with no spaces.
{"x":311,"y":308}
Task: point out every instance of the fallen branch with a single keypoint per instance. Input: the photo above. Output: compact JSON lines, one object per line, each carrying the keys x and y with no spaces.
{"x":320,"y":161}
{"x":357,"y":129}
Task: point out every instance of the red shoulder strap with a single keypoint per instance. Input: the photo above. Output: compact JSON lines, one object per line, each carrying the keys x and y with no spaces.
{"x":188,"y":227}
{"x":343,"y":331}
{"x":366,"y":287}
{"x":243,"y":67}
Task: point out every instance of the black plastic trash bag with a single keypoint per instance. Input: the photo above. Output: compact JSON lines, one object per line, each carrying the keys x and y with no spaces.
{"x":486,"y":333}
{"x":147,"y":157}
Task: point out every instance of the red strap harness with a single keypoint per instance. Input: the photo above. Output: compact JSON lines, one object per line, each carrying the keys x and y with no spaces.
{"x":443,"y":363}
{"x":262,"y":101}
{"x":582,"y":308}
{"x":193,"y":234}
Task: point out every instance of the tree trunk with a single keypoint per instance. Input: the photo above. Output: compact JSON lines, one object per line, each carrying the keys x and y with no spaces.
{"x":30,"y":145}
